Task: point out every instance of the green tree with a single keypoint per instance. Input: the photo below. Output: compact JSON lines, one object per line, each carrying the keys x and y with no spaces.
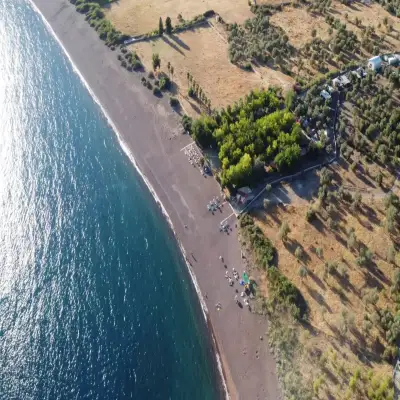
{"x":351,"y":239}
{"x":160,"y":27}
{"x":289,"y":98}
{"x":391,"y":217}
{"x":284,"y":231}
{"x":156,"y":61}
{"x":239,"y":173}
{"x":298,"y":253}
{"x":303,"y":272}
{"x":391,"y":254}
{"x":168,"y":26}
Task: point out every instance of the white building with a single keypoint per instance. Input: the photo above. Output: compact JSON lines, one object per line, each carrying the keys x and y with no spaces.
{"x":375,"y":63}
{"x":325,"y":95}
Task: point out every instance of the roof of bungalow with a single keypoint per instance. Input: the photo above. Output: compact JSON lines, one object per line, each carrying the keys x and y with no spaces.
{"x":375,"y":60}
{"x":325,"y":94}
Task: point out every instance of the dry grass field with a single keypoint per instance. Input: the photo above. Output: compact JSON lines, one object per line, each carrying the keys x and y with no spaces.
{"x":336,"y":298}
{"x":203,"y":52}
{"x":371,"y":15}
{"x":135,"y":17}
{"x":298,"y":24}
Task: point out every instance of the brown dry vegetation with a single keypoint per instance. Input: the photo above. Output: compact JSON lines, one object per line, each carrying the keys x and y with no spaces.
{"x":298,"y":24}
{"x":135,"y":17}
{"x":371,"y":15}
{"x":335,"y":298}
{"x":203,"y":53}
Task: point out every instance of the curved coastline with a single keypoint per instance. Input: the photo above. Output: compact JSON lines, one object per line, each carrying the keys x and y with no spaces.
{"x":128,"y":152}
{"x":246,"y":367}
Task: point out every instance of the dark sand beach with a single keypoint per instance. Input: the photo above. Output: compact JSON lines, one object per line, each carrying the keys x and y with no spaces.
{"x":151,"y":131}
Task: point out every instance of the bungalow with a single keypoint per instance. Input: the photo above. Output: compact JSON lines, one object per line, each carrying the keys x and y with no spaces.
{"x":325,"y":95}
{"x":375,"y":63}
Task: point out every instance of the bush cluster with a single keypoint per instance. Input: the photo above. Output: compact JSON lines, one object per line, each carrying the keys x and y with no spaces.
{"x":95,"y":17}
{"x":259,"y":40}
{"x":281,"y":290}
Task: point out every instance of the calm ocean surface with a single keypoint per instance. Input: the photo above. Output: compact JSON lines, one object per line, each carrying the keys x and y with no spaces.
{"x":95,"y":301}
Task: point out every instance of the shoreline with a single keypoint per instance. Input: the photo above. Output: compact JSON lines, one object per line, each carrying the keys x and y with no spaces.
{"x":231,"y":388}
{"x":129,"y":154}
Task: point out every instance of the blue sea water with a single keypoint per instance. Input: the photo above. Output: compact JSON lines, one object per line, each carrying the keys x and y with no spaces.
{"x":95,"y":301}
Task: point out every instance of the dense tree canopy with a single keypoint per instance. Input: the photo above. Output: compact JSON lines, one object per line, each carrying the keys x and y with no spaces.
{"x":252,"y":132}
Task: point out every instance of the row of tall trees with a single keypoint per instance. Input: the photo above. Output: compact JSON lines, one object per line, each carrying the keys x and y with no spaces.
{"x":168,"y":26}
{"x":197,"y":92}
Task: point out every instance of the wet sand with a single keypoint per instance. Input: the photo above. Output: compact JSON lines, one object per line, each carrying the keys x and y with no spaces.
{"x":152,"y":133}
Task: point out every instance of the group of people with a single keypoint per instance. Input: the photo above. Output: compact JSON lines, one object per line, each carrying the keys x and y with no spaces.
{"x":214,"y":205}
{"x":236,"y":277}
{"x":193,"y":155}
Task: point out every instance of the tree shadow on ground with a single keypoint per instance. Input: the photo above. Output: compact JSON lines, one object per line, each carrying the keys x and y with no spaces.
{"x":318,"y":297}
{"x":173,"y":45}
{"x":179,"y":41}
{"x":316,"y":279}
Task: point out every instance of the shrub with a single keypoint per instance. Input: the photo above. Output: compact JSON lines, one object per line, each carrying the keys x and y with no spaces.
{"x":149,"y":85}
{"x":298,"y":253}
{"x":281,"y":290}
{"x":150,"y":75}
{"x":310,"y":214}
{"x":165,"y":83}
{"x":262,"y":247}
{"x":136,"y":65}
{"x":157,"y":92}
{"x":284,"y":231}
{"x":156,"y":61}
{"x":173,"y":101}
{"x":187,"y":123}
{"x":191,"y":93}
